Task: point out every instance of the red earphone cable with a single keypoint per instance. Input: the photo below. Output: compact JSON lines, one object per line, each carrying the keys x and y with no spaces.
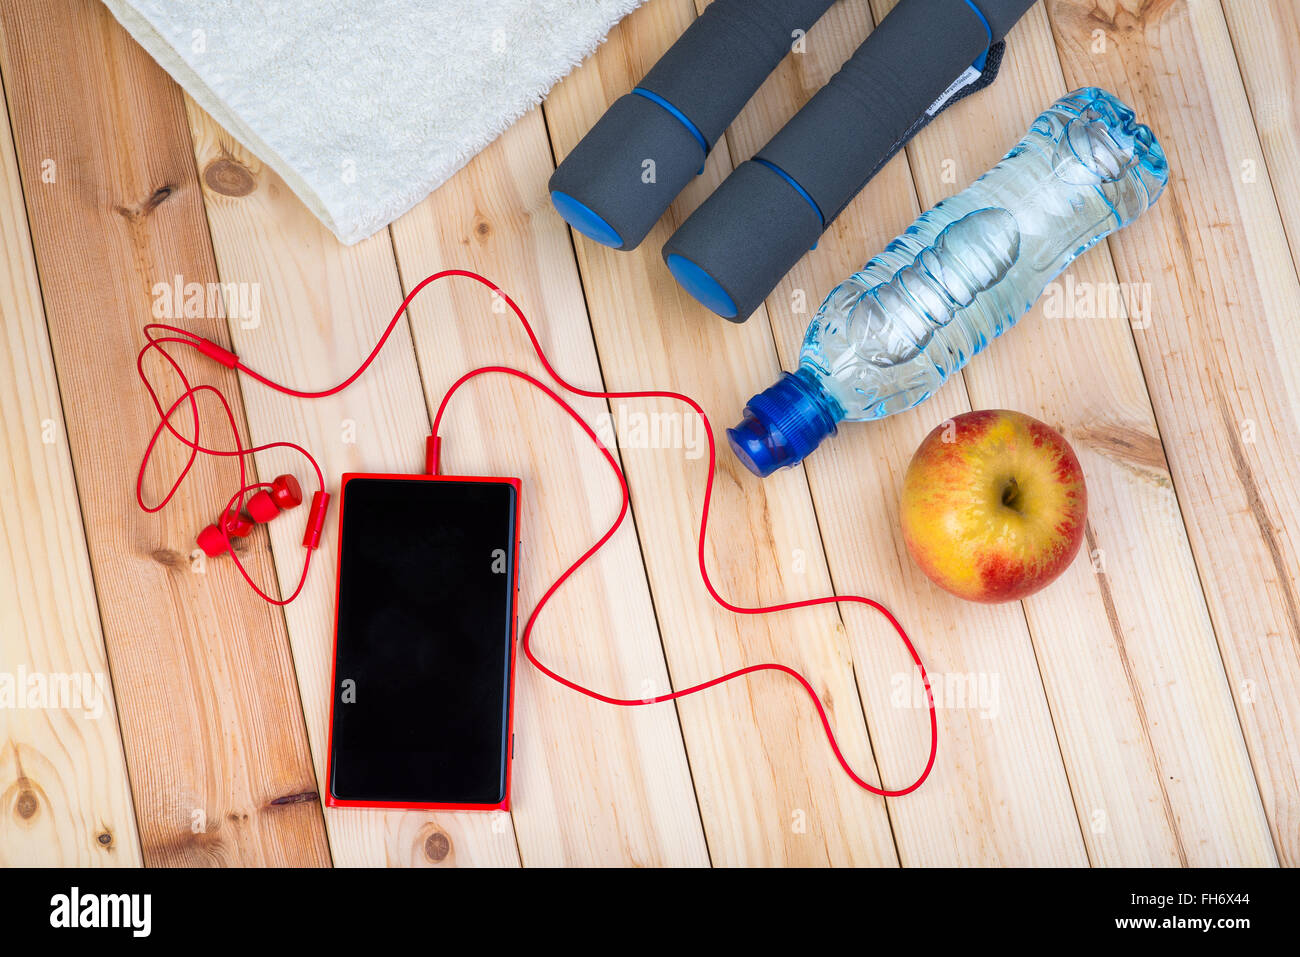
{"x":230,"y":360}
{"x":189,"y":396}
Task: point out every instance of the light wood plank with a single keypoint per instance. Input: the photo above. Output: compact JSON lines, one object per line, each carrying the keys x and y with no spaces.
{"x":321,"y":308}
{"x":210,"y":720}
{"x":1222,"y":352}
{"x":981,"y":659}
{"x":1141,"y":699}
{"x":769,"y":790}
{"x":64,"y":795}
{"x":1153,"y":747}
{"x":1266,"y":39}
{"x":578,"y":759}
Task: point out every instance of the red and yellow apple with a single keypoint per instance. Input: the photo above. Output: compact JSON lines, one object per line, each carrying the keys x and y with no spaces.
{"x":993,"y":505}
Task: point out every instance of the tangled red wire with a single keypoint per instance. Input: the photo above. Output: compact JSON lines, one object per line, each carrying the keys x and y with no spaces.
{"x":229,"y":359}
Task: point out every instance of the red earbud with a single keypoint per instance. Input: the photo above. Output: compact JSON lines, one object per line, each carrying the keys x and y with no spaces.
{"x":285,"y":493}
{"x":237,"y":526}
{"x":262,"y":506}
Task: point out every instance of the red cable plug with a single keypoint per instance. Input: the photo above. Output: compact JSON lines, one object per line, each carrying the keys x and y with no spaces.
{"x":220,"y":353}
{"x":432,"y":449}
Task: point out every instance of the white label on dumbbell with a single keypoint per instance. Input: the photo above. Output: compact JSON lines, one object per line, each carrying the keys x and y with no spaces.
{"x":968,"y":76}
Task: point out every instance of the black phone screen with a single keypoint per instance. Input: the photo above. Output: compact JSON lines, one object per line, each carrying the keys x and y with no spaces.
{"x":422,"y":654}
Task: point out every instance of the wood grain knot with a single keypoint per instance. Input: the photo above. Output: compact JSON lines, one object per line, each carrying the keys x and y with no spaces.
{"x":1131,"y":446}
{"x":156,"y":199}
{"x":229,"y":178}
{"x":140,"y":210}
{"x":482,"y":230}
{"x":105,"y":838}
{"x":168,"y":557}
{"x":302,"y":797}
{"x":27,"y":804}
{"x":1148,"y":12}
{"x":437,"y":846}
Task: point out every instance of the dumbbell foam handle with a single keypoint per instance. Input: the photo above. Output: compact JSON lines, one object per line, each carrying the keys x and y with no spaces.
{"x":852,"y":125}
{"x":746,"y":236}
{"x":677,"y":113}
{"x":714,"y":68}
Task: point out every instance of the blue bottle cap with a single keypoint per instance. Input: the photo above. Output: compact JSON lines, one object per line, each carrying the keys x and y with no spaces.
{"x":782,"y":424}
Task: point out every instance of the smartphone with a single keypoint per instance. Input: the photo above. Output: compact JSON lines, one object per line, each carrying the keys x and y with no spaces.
{"x":424,"y":642}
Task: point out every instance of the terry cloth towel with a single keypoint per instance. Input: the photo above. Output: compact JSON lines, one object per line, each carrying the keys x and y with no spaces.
{"x":364,"y":107}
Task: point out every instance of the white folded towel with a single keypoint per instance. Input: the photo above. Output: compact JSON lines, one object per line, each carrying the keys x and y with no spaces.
{"x":364,"y":107}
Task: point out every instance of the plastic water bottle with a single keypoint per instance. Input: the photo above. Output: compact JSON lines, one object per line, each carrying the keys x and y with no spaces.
{"x":961,"y":275}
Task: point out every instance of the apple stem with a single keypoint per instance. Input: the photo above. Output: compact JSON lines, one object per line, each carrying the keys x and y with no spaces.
{"x":1011,"y":494}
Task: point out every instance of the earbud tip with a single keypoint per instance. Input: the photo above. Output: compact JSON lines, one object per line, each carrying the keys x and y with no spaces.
{"x":211,"y":541}
{"x":261,"y":506}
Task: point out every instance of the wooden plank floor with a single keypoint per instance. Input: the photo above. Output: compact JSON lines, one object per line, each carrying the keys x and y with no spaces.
{"x":1143,"y":710}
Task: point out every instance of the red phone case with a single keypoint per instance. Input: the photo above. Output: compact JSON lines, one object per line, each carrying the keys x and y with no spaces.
{"x":332,"y":801}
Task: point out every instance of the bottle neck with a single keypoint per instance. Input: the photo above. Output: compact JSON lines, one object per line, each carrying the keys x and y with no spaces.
{"x":810,"y":381}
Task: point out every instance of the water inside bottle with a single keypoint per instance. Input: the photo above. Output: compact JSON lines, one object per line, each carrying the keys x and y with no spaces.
{"x":967,"y":269}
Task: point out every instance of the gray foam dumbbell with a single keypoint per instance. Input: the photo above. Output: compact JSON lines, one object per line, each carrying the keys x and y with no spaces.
{"x":616,"y":183}
{"x":734,"y":249}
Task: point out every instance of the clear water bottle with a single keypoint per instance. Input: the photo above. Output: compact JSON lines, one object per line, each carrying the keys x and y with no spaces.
{"x":962,"y":274}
